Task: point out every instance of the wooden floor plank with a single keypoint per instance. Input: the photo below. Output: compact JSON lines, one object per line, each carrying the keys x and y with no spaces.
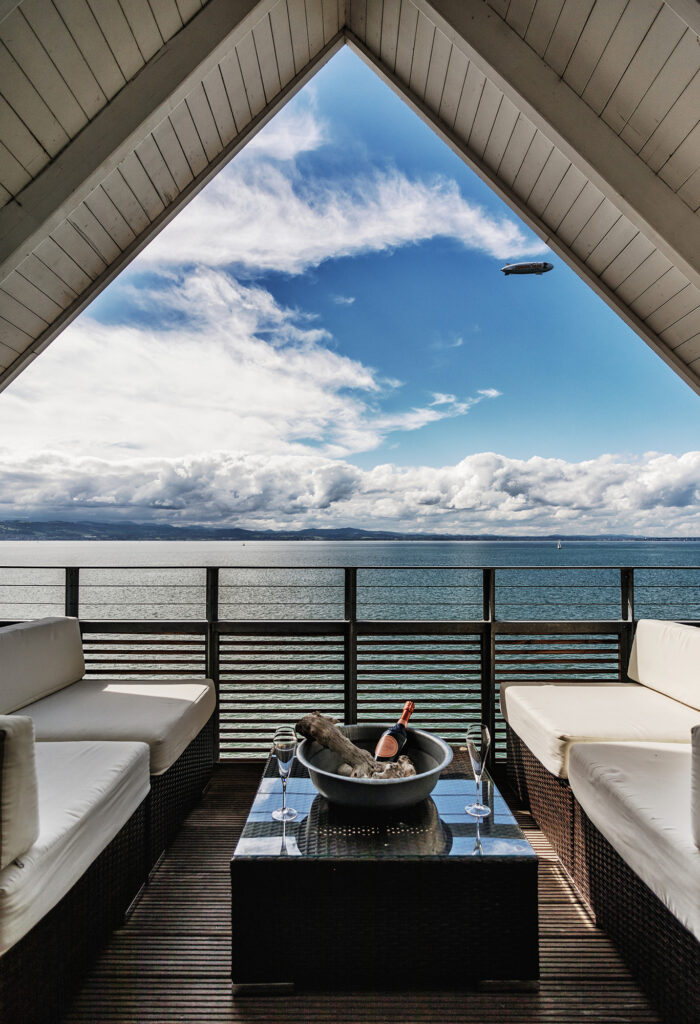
{"x":171,"y":961}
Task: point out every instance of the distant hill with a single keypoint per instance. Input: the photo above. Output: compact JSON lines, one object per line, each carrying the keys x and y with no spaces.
{"x":27,"y":529}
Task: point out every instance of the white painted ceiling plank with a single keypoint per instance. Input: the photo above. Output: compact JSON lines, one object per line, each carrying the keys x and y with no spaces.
{"x":690,"y":351}
{"x":674,"y":309}
{"x":32,"y":297}
{"x":188,"y":8}
{"x":684,"y":162}
{"x":679,"y":122}
{"x":373,"y":25}
{"x":574,"y":128}
{"x":28,"y":104}
{"x":314,"y":25}
{"x":167,"y":17}
{"x":331,"y":23}
{"x":391,"y":15}
{"x":689,"y":11}
{"x":153,"y":163}
{"x":203,"y":119}
{"x":454,"y":83}
{"x":629,"y":33}
{"x":516,"y":150}
{"x":519,"y":14}
{"x":584,"y":207}
{"x":542,"y":24}
{"x":103,"y":209}
{"x":182,"y":122}
{"x":565,"y":195}
{"x":667,"y":286}
{"x":7,"y":355}
{"x":19,"y":141}
{"x":610,"y":247}
{"x":489,"y":103}
{"x":653,"y":53}
{"x":32,"y":58}
{"x":499,"y":6}
{"x":567,"y":33}
{"x":300,"y":35}
{"x":220,"y":106}
{"x":143,"y":26}
{"x":119,"y":36}
{"x":20,"y":316}
{"x":267,"y":60}
{"x":126,"y":202}
{"x":675,"y":76}
{"x":469,"y":102}
{"x":84,"y":29}
{"x":94,"y":235}
{"x":425,"y":34}
{"x":141,"y":185}
{"x":250,"y":69}
{"x":235,"y":90}
{"x":501,"y":134}
{"x":44,"y":278}
{"x":594,"y":37}
{"x":690,"y":191}
{"x":647,"y":273}
{"x":5,"y":196}
{"x":173,"y":154}
{"x":629,"y":259}
{"x":548,"y":182}
{"x":63,"y":51}
{"x":531,"y":167}
{"x":357,"y":17}
{"x":64,"y":266}
{"x":688,"y":326}
{"x":595,"y":229}
{"x":408,"y":26}
{"x":13,"y":337}
{"x":437,"y":71}
{"x":78,"y":249}
{"x":282,"y":39}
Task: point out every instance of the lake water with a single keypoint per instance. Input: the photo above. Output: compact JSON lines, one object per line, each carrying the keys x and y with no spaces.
{"x":396,"y":579}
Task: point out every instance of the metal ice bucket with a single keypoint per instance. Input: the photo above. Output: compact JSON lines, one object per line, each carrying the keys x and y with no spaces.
{"x":429,"y":754}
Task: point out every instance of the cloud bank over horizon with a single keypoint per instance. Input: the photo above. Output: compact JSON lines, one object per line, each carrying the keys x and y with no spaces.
{"x":485,"y":492}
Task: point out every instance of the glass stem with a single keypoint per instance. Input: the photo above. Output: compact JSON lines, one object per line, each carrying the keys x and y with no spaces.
{"x":284,"y":792}
{"x":478,"y":790}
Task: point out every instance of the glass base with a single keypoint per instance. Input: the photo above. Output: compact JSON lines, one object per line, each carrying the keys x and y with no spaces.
{"x":478,"y":810}
{"x":284,"y":814}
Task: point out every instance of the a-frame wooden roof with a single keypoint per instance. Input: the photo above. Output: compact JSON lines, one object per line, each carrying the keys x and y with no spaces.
{"x":584,"y":115}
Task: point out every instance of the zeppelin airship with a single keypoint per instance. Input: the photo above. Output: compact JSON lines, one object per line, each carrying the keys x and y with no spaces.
{"x":527,"y":268}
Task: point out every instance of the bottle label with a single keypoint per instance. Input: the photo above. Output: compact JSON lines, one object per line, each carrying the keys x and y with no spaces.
{"x":387,"y":747}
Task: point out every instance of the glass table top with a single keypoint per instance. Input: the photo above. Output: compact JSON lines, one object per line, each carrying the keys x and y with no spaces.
{"x":438,"y":827}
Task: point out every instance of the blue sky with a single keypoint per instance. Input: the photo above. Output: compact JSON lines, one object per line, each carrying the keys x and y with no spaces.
{"x":324,"y":337}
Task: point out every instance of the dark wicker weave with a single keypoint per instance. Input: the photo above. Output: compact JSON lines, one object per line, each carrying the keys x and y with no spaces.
{"x":663,"y":956}
{"x":39,"y":974}
{"x":175,"y":792}
{"x":549,"y":798}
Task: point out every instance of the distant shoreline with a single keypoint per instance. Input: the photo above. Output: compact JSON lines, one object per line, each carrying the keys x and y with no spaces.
{"x":53,"y":530}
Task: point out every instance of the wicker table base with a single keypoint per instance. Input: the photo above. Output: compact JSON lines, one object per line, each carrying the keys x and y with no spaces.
{"x":347,"y":900}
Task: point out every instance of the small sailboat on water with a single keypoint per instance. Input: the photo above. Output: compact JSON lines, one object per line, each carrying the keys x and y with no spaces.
{"x":558,"y":545}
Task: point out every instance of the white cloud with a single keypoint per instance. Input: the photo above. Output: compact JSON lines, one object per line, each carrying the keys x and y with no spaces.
{"x":343,"y":300}
{"x":224,"y":366}
{"x":261,"y":214}
{"x":656,"y":493}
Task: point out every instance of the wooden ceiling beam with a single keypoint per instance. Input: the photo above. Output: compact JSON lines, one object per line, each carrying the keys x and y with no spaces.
{"x":688,"y":11}
{"x":141,"y":105}
{"x":573,"y":127}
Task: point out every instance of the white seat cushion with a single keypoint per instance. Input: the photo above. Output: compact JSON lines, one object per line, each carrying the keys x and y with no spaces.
{"x":549,"y":718}
{"x":87,"y":793}
{"x":19,"y":807}
{"x":666,"y":657}
{"x":638,"y":796}
{"x":38,"y":658}
{"x":166,"y":715}
{"x":695,"y":785}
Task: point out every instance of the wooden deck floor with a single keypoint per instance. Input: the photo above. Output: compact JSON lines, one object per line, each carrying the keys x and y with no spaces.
{"x":171,"y":960}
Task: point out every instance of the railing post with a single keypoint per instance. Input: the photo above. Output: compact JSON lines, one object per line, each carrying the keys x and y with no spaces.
{"x":212,"y":646}
{"x":72,"y":597}
{"x":627,"y":615}
{"x":488,"y":660}
{"x":350,"y":648}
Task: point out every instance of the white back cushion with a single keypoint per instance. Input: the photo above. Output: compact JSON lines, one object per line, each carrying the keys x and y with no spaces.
{"x":666,"y":657}
{"x":19,"y":803}
{"x":36,"y":659}
{"x":695,"y":784}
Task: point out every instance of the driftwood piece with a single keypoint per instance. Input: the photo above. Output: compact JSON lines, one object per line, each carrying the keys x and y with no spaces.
{"x":353,"y":761}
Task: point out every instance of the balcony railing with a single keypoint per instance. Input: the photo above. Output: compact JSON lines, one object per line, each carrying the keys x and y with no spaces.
{"x":354,"y":642}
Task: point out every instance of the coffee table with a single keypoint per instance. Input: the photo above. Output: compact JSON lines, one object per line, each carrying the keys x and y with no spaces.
{"x":419,"y":898}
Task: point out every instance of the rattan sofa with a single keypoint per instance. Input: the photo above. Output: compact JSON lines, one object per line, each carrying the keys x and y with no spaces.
{"x":75,"y":754}
{"x":606,"y":770}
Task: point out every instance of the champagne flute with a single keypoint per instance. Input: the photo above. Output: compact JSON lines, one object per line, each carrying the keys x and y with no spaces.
{"x":478,"y":743}
{"x":284,"y":747}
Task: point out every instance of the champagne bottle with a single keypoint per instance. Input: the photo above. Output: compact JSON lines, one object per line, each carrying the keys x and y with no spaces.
{"x":393,"y":740}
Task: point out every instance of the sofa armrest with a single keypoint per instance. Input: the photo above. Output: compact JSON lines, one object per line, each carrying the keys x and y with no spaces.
{"x":695,"y":783}
{"x":19,"y":802}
